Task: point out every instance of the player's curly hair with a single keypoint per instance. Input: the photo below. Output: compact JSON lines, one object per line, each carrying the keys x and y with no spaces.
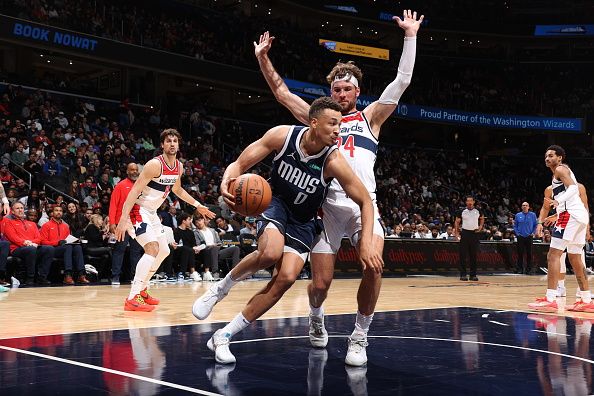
{"x":558,"y":151}
{"x":170,"y":132}
{"x":341,"y":69}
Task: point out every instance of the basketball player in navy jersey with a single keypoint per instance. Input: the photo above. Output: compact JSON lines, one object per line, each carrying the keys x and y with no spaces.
{"x":306,"y":160}
{"x":359,"y":134}
{"x":569,"y":233}
{"x":159,"y":176}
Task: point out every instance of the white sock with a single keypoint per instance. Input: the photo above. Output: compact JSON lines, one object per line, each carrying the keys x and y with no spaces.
{"x":561,"y":283}
{"x":586,"y":296}
{"x":362,"y":324}
{"x":238,"y":323}
{"x":142,"y":270}
{"x":319,"y":311}
{"x":578,"y":293}
{"x":551,"y":295}
{"x":227,"y":283}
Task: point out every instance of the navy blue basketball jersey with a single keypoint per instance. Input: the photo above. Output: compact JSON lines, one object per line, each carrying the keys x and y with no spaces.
{"x":298,"y":179}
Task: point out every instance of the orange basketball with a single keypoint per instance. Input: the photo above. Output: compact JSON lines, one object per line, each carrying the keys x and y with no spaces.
{"x":252,"y":194}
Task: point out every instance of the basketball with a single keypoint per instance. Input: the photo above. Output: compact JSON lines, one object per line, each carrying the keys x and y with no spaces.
{"x":252,"y":194}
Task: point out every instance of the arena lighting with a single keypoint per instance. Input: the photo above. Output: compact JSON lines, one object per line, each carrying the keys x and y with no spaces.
{"x":70,"y":62}
{"x":41,"y":55}
{"x":49,"y":61}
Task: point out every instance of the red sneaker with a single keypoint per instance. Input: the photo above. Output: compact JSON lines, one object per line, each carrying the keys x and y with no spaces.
{"x":581,"y":306}
{"x":137,"y":304}
{"x":541,"y":304}
{"x":150,"y":300}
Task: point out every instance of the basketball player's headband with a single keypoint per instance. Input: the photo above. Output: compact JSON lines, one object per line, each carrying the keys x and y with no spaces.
{"x":348,"y":78}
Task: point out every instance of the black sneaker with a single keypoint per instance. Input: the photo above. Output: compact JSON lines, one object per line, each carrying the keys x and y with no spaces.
{"x":28,"y":282}
{"x":463,"y":278}
{"x":473,"y":278}
{"x":43,"y":281}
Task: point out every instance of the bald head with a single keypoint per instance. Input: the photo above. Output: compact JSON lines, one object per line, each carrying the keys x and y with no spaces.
{"x":132,"y":171}
{"x":525,"y":207}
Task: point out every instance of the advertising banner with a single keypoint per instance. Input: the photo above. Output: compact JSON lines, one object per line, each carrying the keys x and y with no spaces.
{"x":355,"y":49}
{"x":411,"y":256}
{"x":451,"y":116}
{"x":564,"y":30}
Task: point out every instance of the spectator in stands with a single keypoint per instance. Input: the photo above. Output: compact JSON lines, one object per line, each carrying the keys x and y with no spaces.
{"x":212,"y":251}
{"x":74,"y":190}
{"x":25,"y":239}
{"x":60,"y":201}
{"x":75,"y":220}
{"x":169,"y":217}
{"x":92,"y":198}
{"x":185,"y":253}
{"x":250,"y":226}
{"x":54,"y":233}
{"x":87,"y":187}
{"x":52,"y":167}
{"x":104,"y":184}
{"x":31,"y":201}
{"x":33,"y":216}
{"x":546,"y":238}
{"x":118,"y":197}
{"x":225,"y":230}
{"x":422,"y":231}
{"x":97,"y":236}
{"x":21,"y":188}
{"x":19,"y":156}
{"x":62,"y":120}
{"x":448,"y":234}
{"x":33,"y":166}
{"x":79,"y":173}
{"x":6,"y":177}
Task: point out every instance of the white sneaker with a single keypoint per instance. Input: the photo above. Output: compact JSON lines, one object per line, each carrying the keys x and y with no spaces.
{"x":318,"y":336}
{"x":195,"y":276}
{"x":205,"y":303}
{"x":207,"y":276}
{"x":561,"y":291}
{"x":219,"y":344}
{"x":356,"y":354}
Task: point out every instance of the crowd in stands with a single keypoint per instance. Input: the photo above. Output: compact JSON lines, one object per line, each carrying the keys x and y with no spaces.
{"x":76,"y":155}
{"x":489,"y":86}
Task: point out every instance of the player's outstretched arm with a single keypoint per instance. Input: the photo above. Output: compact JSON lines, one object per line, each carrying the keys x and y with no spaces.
{"x":151,"y":169}
{"x":297,"y":106}
{"x":272,"y":141}
{"x":379,"y":111}
{"x":337,"y":167}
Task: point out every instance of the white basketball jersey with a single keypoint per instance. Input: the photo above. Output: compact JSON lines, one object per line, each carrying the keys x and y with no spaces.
{"x":359,"y":147}
{"x":574,"y":205}
{"x":157,"y":190}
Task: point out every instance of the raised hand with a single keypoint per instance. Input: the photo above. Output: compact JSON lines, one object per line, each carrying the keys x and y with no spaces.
{"x":409,"y":22}
{"x":262,"y":48}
